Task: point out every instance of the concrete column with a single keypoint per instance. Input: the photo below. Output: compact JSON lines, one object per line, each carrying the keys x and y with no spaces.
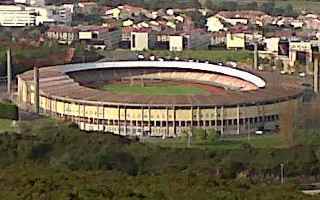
{"x":221,"y":119}
{"x":125,"y":121}
{"x":191,"y":119}
{"x":174,"y":121}
{"x":238,"y":120}
{"x":167,"y":122}
{"x":316,"y":75}
{"x":198,"y":116}
{"x":119,"y":125}
{"x":142,"y":120}
{"x":84,"y":116}
{"x":215,"y":117}
{"x":103,"y":119}
{"x":9,"y":72}
{"x":36,"y":89}
{"x":255,"y":56}
{"x":149,"y":122}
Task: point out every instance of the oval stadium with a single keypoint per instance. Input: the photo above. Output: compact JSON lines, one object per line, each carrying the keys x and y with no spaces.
{"x":159,"y":98}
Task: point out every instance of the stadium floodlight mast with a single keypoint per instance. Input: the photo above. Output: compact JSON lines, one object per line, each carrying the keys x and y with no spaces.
{"x":9,"y":72}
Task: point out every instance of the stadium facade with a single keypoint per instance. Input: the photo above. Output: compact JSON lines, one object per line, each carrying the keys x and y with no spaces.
{"x":238,"y":102}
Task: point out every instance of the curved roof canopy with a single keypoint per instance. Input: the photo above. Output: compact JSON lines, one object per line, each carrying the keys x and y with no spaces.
{"x":238,"y":73}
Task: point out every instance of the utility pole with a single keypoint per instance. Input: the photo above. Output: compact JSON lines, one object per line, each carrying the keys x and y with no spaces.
{"x":255,"y":56}
{"x":282,"y":173}
{"x":9,"y":72}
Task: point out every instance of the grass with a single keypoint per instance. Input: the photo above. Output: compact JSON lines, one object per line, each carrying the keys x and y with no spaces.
{"x":263,"y":141}
{"x":154,"y":90}
{"x":6,"y":125}
{"x":241,"y":56}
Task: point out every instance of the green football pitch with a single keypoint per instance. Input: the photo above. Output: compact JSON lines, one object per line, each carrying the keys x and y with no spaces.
{"x":154,"y":89}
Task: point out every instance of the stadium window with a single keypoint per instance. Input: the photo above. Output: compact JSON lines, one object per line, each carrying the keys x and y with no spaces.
{"x":235,"y":121}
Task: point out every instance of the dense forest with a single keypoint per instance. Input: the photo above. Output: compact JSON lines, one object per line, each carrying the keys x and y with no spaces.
{"x":46,"y":159}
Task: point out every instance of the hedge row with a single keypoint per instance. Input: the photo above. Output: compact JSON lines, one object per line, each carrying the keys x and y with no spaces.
{"x":8,"y":111}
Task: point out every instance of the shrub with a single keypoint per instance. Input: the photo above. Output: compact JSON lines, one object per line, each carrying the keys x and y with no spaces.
{"x":8,"y":111}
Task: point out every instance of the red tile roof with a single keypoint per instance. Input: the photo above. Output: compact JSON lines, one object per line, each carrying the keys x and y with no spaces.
{"x":248,"y":14}
{"x":63,"y":29}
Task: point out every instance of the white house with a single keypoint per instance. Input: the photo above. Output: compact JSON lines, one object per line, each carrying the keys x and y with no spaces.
{"x":236,"y":40}
{"x":139,"y":41}
{"x":113,"y":12}
{"x":17,"y":16}
{"x":214,"y":24}
{"x":43,"y":15}
{"x":272,"y":44}
{"x":175,"y":43}
{"x":127,"y":22}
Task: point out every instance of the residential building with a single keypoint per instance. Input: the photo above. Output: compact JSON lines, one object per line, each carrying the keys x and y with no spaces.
{"x":235,"y":40}
{"x":272,"y":44}
{"x":213,"y":24}
{"x":110,"y":23}
{"x":197,"y":39}
{"x":43,"y":15}
{"x":63,"y":34}
{"x":100,"y":35}
{"x":139,"y":41}
{"x":109,"y":12}
{"x":87,"y":7}
{"x":218,"y":38}
{"x":61,"y":14}
{"x":127,"y":22}
{"x":242,"y":17}
{"x":142,"y":39}
{"x":17,"y":16}
{"x":300,"y":50}
{"x":176,"y":43}
{"x":125,"y":41}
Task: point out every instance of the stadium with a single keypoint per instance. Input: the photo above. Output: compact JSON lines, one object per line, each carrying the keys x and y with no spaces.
{"x":160,"y":98}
